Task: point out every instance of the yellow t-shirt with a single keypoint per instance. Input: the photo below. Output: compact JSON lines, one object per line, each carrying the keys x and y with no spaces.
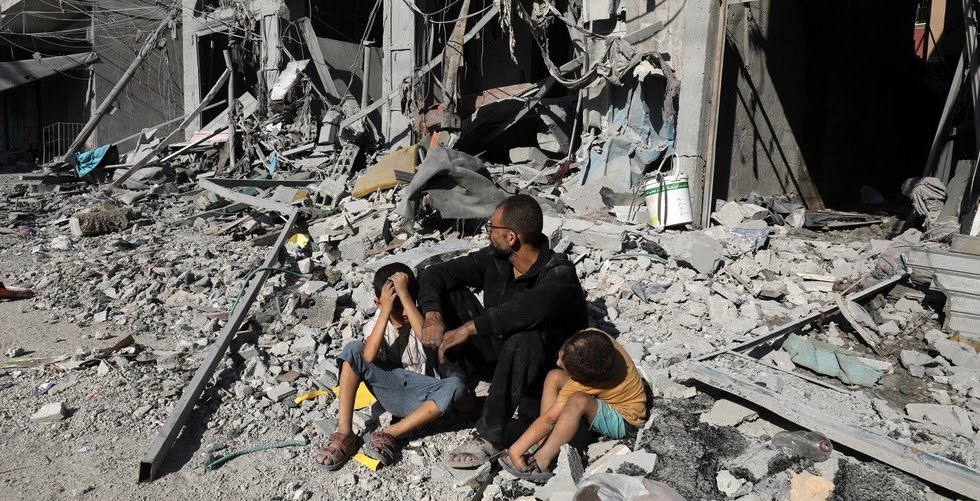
{"x":623,"y":390}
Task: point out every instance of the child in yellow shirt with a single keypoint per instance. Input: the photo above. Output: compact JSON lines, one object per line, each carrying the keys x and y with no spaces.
{"x":596,"y":381}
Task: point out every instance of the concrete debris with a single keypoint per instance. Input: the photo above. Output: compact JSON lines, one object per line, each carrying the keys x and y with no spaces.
{"x":568,"y":472}
{"x":959,"y":354}
{"x":728,"y":413}
{"x":949,"y":416}
{"x":731,"y":485}
{"x":697,"y":251}
{"x":49,"y":413}
{"x":142,"y":263}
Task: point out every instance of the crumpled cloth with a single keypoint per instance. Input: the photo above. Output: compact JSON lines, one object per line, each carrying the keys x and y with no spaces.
{"x":928,"y":196}
{"x":87,"y":161}
{"x":458,"y":186}
{"x":616,"y":487}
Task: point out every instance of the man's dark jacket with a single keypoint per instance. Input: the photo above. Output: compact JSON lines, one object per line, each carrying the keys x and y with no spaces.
{"x":547,"y":298}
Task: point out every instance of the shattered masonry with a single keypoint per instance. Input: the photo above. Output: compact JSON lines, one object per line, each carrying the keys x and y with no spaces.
{"x":779,"y":227}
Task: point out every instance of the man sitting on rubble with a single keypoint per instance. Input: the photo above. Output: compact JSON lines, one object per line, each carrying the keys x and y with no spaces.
{"x":533,"y":302}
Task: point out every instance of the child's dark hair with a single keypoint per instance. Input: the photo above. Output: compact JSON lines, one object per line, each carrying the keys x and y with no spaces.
{"x":588,"y":356}
{"x":388,"y":270}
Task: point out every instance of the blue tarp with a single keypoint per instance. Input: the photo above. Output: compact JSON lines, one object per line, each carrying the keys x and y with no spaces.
{"x":88,"y":161}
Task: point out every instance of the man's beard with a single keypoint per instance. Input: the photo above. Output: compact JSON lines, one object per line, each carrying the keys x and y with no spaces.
{"x":503,"y":252}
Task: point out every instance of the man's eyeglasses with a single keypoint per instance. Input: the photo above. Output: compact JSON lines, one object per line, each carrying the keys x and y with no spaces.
{"x":490,"y":227}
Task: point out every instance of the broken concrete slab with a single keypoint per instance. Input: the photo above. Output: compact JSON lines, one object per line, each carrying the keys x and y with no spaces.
{"x":304,"y":344}
{"x":958,"y":353}
{"x":50,"y":413}
{"x":697,"y":251}
{"x":755,"y":460}
{"x":728,"y":413}
{"x":601,"y":236}
{"x":568,"y":471}
{"x":731,"y":485}
{"x":949,"y":416}
{"x":321,"y":309}
{"x":910,"y":358}
{"x":728,"y":215}
{"x":525,"y":154}
{"x":619,"y":455}
{"x":280,"y":392}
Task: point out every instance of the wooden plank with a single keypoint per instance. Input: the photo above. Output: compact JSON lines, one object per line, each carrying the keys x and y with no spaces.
{"x":932,"y":468}
{"x":313,"y":45}
{"x":707,"y":198}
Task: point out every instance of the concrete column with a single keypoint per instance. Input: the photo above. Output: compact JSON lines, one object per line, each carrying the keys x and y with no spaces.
{"x":192,"y":78}
{"x":398,"y":49}
{"x":270,"y":49}
{"x":697,"y":62}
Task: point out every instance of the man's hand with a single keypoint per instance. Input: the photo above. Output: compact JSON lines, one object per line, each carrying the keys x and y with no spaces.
{"x":433,"y":329}
{"x":455,"y":338}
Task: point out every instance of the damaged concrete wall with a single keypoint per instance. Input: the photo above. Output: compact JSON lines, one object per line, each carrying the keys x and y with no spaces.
{"x":347,"y":67}
{"x":635,"y":15}
{"x":763,"y":104}
{"x":154,"y":95}
{"x":815,"y":104}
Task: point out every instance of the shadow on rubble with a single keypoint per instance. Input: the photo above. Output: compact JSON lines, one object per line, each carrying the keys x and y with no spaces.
{"x":599,"y":317}
{"x":189,"y":441}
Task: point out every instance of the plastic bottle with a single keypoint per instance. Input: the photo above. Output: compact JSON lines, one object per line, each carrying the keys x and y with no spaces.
{"x":808,"y":444}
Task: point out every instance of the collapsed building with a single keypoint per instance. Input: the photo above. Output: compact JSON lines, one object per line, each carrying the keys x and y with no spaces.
{"x":687,"y":155}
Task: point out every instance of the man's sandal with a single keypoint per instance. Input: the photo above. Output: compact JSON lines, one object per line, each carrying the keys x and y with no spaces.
{"x":332,"y":458}
{"x":477,"y":446}
{"x":532,"y":473}
{"x":381,"y":446}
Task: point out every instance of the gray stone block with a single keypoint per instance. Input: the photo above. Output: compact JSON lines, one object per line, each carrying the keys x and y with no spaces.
{"x":949,"y":416}
{"x":49,"y":413}
{"x":280,"y":392}
{"x":728,"y":413}
{"x":957,"y":353}
{"x":696,"y":250}
{"x":910,"y":358}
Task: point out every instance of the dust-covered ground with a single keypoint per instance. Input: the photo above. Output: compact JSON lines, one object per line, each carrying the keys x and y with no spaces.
{"x":170,"y":286}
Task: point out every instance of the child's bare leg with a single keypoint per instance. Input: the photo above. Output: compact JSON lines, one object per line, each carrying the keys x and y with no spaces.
{"x":426,"y":413}
{"x":579,"y":406}
{"x":348,"y":390}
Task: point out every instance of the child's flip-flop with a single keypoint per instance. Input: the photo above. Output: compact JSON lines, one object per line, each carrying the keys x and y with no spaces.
{"x":477,"y":446}
{"x":534,"y":474}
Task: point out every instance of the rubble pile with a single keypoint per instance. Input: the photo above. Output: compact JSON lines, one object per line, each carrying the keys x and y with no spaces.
{"x":189,"y":296}
{"x":172,"y":276}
